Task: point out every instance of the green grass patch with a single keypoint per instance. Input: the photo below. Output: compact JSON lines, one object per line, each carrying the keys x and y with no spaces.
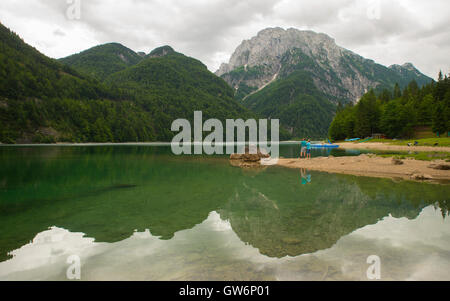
{"x":423,"y":156}
{"x":422,"y":142}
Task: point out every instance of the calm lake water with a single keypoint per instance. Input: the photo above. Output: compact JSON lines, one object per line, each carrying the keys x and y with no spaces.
{"x":139,"y":213}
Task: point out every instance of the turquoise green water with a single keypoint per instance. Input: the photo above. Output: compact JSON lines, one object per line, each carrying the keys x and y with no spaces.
{"x":140,"y":213}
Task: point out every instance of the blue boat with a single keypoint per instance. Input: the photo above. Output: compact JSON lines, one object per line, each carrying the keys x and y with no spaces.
{"x":324,"y":145}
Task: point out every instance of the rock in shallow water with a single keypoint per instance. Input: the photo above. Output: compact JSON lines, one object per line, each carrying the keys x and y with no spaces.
{"x":249,"y":159}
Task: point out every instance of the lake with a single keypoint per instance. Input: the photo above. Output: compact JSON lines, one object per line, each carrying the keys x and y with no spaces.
{"x":137,"y":212}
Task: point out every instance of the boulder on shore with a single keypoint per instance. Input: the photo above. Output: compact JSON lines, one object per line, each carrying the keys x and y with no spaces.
{"x":439,"y":166}
{"x":397,"y":162}
{"x":421,"y":177}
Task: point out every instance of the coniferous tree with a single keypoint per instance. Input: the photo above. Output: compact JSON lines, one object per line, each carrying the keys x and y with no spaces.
{"x":367,"y":117}
{"x":397,"y":91}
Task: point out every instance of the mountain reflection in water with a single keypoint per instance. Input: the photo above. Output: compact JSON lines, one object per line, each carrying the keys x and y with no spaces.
{"x":113,"y":195}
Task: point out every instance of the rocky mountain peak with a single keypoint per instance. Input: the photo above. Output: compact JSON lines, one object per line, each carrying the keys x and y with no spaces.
{"x":409,"y":66}
{"x":406,"y":66}
{"x":270,"y":44}
{"x":275,"y":53}
{"x":407,"y":69}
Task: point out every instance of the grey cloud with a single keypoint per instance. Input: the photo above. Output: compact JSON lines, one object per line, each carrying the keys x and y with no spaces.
{"x":209,"y":30}
{"x":312,"y":13}
{"x":59,"y":32}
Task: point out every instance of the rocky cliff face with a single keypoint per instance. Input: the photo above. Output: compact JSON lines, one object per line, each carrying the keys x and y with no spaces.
{"x":339,"y":73}
{"x":271,"y":44}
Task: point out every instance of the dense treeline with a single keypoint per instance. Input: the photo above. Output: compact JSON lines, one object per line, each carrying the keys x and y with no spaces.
{"x":67,"y":120}
{"x":396,"y":113}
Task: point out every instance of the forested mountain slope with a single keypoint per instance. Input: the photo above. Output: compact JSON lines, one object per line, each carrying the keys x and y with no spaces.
{"x":43,"y":100}
{"x":103,"y":60}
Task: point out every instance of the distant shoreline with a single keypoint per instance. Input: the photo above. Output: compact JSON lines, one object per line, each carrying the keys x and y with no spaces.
{"x":90,"y":144}
{"x":378,"y":146}
{"x":116,"y":143}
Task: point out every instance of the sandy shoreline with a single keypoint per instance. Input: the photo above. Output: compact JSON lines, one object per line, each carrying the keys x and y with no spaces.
{"x":388,"y":147}
{"x":371,"y":166}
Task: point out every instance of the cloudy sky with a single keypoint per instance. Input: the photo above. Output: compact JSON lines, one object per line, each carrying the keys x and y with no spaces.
{"x":387,"y":31}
